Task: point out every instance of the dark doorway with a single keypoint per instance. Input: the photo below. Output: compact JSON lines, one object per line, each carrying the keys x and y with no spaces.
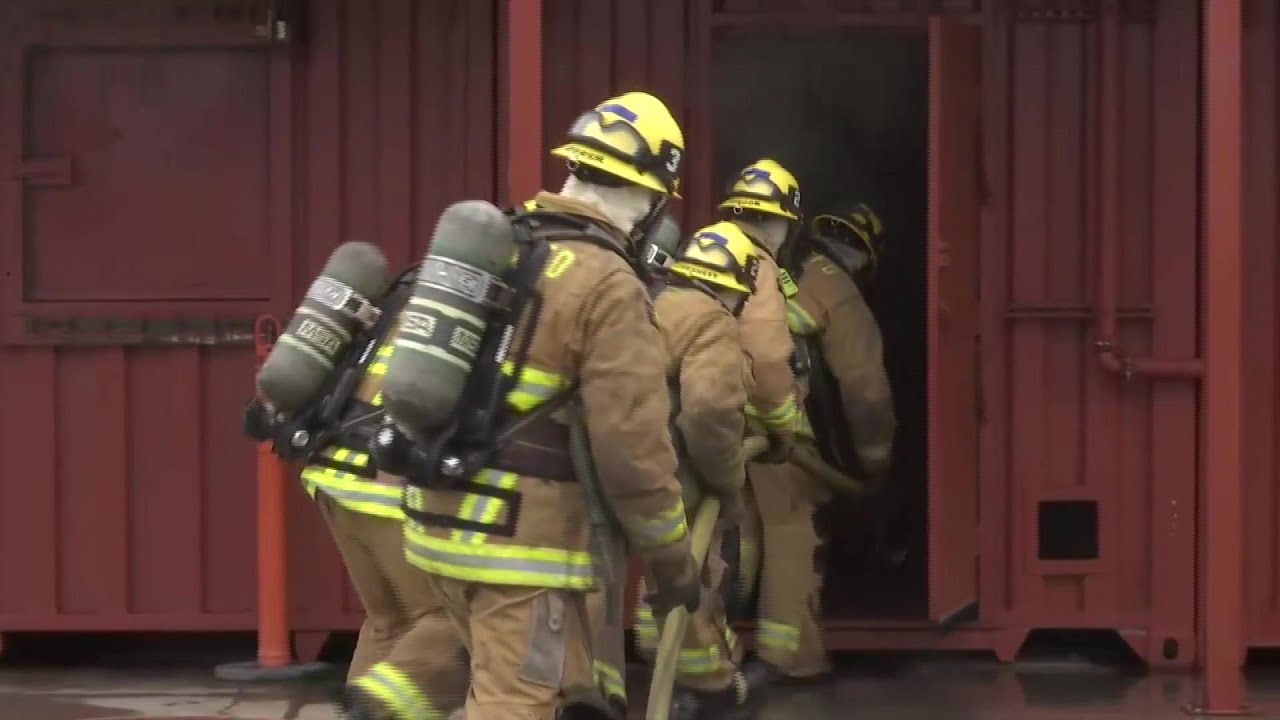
{"x":846,"y":110}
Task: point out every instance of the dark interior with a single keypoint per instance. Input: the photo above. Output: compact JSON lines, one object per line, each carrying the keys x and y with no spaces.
{"x":846,"y":110}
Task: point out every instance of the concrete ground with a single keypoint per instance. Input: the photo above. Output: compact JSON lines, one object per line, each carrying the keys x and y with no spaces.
{"x":877,"y":687}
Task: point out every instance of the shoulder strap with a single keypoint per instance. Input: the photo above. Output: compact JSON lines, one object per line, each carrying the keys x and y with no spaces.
{"x":359,"y":356}
{"x":553,"y":225}
{"x":655,"y":287}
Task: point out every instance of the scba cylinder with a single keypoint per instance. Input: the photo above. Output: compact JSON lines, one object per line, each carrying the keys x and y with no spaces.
{"x":338,"y":306}
{"x":458,"y":288}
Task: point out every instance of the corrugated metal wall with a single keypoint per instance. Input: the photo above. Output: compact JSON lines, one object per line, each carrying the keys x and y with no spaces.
{"x":223,"y":169}
{"x":1262,"y":315}
{"x":1059,"y":428}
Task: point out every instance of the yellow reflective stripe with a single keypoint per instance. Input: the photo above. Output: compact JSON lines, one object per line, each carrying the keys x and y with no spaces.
{"x":397,"y":692}
{"x":534,"y":387}
{"x":777,"y":636}
{"x":379,"y":367}
{"x":782,"y":416}
{"x":353,"y":492}
{"x":644,"y":626}
{"x":799,"y":320}
{"x":483,"y":508}
{"x":610,"y":680}
{"x":699,"y":661}
{"x":498,"y":564}
{"x":347,"y":455}
{"x":349,"y":490}
{"x":730,"y":639}
{"x":668,"y":527}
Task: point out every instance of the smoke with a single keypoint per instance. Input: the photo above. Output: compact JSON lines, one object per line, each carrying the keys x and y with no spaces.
{"x":840,"y":109}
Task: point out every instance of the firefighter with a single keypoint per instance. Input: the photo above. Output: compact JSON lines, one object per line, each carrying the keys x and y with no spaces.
{"x":765,"y":202}
{"x":361,"y":506}
{"x":839,"y":255}
{"x":709,"y":281}
{"x":512,"y":562}
{"x":850,"y":402}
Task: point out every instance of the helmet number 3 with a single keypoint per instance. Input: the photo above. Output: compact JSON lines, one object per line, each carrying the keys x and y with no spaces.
{"x":673,"y":161}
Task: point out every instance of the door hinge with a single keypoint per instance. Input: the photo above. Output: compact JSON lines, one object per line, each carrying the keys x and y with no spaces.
{"x":279,"y":26}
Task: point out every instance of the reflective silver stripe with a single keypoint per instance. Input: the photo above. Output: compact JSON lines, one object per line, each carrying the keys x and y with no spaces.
{"x":483,"y":508}
{"x":500,"y":564}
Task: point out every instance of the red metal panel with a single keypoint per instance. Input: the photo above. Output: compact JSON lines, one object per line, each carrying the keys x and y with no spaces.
{"x":1261,"y":284}
{"x":112,"y":480}
{"x":594,"y":48}
{"x":1073,"y":432}
{"x":954,"y":96}
{"x":128,"y":503}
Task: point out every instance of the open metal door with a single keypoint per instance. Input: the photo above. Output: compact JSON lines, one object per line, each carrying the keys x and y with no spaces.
{"x":954,"y":68}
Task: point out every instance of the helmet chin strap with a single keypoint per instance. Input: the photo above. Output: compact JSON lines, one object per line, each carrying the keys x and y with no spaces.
{"x":648,"y":222}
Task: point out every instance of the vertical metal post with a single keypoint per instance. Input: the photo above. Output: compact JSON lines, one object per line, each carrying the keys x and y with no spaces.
{"x":524,"y":150}
{"x":1222,"y":569}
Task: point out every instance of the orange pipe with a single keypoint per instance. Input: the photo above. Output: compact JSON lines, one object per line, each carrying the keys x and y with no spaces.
{"x":1111,"y":186}
{"x":273,"y":603}
{"x":273,"y":568}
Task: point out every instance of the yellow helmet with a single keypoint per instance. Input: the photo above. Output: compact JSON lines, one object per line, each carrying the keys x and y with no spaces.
{"x":766,"y":187}
{"x":632,"y":137}
{"x":720,"y":255}
{"x":857,"y":226}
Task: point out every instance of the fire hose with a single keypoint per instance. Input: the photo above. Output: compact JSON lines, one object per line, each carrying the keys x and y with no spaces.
{"x":662,"y":686}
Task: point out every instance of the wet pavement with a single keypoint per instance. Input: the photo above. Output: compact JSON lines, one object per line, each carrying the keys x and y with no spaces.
{"x":875,"y":687}
{"x":931,"y":691}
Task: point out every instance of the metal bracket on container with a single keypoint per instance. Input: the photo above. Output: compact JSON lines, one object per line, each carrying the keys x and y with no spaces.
{"x":45,"y":172}
{"x":278,"y":27}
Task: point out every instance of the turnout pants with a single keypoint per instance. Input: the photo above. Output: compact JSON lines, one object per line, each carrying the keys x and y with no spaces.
{"x":527,"y":645}
{"x":781,"y":502}
{"x":408,"y":657}
{"x":710,"y":652}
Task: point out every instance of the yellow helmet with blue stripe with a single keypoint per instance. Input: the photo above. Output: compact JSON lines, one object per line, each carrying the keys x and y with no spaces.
{"x":720,"y":255}
{"x":632,"y":137}
{"x":765,"y":187}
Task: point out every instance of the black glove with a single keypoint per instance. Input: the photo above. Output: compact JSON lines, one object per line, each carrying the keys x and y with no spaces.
{"x":676,"y":582}
{"x":732,"y":510}
{"x":256,"y":422}
{"x":585,"y":704}
{"x":779,"y":449}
